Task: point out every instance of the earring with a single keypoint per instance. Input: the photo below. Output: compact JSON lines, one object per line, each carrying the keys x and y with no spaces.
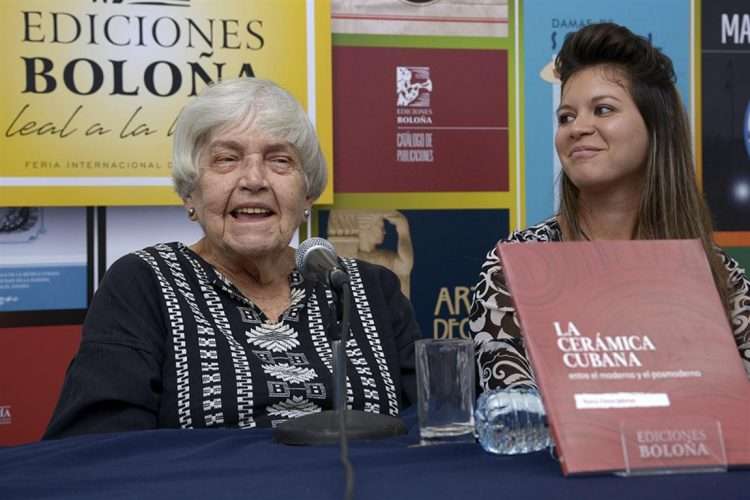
{"x":191,"y":213}
{"x":307,"y":213}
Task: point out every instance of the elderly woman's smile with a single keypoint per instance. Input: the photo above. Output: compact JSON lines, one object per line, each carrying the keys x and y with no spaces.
{"x":251,"y":213}
{"x":250,"y":195}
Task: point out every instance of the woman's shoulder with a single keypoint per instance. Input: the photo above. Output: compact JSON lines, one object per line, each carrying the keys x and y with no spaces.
{"x":373,"y":277}
{"x":144,"y":261}
{"x":161,"y":250}
{"x":368,"y":270}
{"x":548,"y":230}
{"x":730,"y":263}
{"x":736,"y":274}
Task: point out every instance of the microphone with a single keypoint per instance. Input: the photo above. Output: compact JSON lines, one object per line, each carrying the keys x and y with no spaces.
{"x":317,"y":261}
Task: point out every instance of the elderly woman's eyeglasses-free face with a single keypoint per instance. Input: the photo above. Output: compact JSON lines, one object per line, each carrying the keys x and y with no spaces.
{"x":250,"y":196}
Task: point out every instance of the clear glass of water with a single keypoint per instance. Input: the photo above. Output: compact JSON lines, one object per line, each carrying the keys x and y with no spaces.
{"x":445,"y":390}
{"x":511,"y":421}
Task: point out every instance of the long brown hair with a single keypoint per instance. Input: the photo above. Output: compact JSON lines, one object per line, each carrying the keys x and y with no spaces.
{"x":671,"y":206}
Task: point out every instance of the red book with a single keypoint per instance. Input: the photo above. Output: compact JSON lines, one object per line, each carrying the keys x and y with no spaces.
{"x":630,"y":337}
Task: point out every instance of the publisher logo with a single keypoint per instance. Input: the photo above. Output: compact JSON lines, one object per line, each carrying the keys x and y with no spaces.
{"x":413,"y":115}
{"x":413,"y":86}
{"x":5,"y":416}
{"x":672,"y":443}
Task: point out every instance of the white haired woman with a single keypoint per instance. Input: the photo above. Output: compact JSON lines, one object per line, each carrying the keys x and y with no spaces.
{"x":226,"y":332}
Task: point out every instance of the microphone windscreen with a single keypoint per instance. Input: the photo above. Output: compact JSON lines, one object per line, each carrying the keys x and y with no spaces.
{"x":308,"y":245}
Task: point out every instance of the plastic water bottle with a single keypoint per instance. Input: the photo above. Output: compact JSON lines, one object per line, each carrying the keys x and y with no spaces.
{"x":511,"y":421}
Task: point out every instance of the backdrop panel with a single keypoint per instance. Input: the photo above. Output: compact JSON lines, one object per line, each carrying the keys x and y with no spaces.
{"x":92,"y":89}
{"x":31,"y":375}
{"x":421,"y":120}
{"x":545,"y":24}
{"x":725,"y":113}
{"x":420,"y":17}
{"x":441,"y":261}
{"x":45,"y":265}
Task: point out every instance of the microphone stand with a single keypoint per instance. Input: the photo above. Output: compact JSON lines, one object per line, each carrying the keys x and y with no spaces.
{"x":329,"y":426}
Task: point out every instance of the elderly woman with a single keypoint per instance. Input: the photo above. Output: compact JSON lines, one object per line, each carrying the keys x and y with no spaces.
{"x":624,"y":144}
{"x":226,"y":332}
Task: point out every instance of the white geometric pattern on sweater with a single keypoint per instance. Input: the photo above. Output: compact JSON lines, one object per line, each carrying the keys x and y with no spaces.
{"x":276,"y":337}
{"x":294,"y":407}
{"x":291,"y":374}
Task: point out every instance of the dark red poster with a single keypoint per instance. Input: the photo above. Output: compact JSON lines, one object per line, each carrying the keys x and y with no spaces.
{"x":420,"y":120}
{"x":32,"y":368}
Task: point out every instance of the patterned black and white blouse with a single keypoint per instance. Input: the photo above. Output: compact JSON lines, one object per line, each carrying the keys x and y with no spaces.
{"x":170,"y":342}
{"x":501,"y":358}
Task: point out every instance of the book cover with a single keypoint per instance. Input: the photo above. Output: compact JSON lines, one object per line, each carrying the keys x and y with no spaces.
{"x":630,"y":335}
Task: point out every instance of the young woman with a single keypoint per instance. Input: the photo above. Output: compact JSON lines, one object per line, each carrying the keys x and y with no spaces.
{"x":624,"y":144}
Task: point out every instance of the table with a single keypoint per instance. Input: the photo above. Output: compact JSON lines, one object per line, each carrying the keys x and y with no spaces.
{"x":216,"y":464}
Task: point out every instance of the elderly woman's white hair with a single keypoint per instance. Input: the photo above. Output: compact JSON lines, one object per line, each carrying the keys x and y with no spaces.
{"x":267,"y":106}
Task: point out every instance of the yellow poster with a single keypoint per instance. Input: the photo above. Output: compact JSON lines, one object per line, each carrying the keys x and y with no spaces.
{"x":91,"y":88}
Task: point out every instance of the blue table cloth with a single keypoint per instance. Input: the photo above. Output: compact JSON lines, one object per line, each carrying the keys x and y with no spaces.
{"x":231,"y":464}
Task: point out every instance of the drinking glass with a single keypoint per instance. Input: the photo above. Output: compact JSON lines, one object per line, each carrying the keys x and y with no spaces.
{"x":445,"y":390}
